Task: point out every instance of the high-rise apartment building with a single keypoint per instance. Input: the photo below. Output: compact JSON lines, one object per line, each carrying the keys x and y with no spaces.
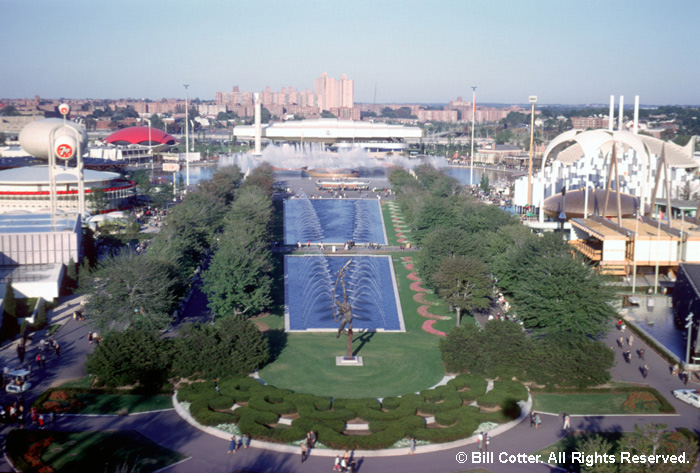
{"x":333,"y":93}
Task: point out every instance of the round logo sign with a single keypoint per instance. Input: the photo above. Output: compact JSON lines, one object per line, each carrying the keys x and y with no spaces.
{"x":64,"y":147}
{"x":64,"y":108}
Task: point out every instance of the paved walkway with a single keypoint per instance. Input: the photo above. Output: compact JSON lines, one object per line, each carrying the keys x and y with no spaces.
{"x":209,"y":454}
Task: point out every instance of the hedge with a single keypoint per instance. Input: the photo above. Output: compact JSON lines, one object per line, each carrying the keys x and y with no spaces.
{"x":389,"y":421}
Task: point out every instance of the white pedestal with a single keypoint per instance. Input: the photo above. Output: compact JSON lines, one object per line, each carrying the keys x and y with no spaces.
{"x":354,"y":361}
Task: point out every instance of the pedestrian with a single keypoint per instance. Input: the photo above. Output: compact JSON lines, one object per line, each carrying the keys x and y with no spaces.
{"x":645,"y":370}
{"x":90,"y":337}
{"x":245,"y":440}
{"x":480,"y":440}
{"x":336,"y":464}
{"x":538,"y":421}
{"x":21,"y":351}
{"x":303,"y":452}
{"x":640,"y":352}
{"x":620,"y":341}
{"x":52,"y":417}
{"x":412,"y":446}
{"x":532,"y":418}
{"x":41,"y":421}
{"x":674,"y":370}
{"x":487,"y":441}
{"x":57,"y":347}
{"x":567,"y":422}
{"x":684,"y":377}
{"x":232,"y":445}
{"x":216,"y":387}
{"x":630,"y":340}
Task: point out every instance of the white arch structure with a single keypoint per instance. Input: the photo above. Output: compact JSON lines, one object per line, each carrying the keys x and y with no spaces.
{"x":575,"y":144}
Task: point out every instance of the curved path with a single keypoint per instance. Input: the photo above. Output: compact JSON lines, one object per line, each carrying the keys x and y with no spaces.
{"x":419,"y":297}
{"x":208,"y":453}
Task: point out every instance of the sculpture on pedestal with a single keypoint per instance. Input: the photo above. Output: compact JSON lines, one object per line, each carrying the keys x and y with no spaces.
{"x":344,"y":315}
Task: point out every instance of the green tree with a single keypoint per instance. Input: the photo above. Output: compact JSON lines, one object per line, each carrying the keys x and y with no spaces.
{"x":232,"y":346}
{"x":464,"y":284}
{"x":597,"y":444}
{"x":238,"y":279}
{"x":157,"y":122}
{"x":98,"y":201}
{"x":484,"y":184}
{"x":327,"y":114}
{"x":553,"y":291}
{"x":131,"y":291}
{"x":655,"y":439}
{"x":10,"y":325}
{"x":9,"y":111}
{"x":438,"y":245}
{"x":129,"y":357}
{"x":500,"y":349}
{"x":71,"y":281}
{"x":41,"y":321}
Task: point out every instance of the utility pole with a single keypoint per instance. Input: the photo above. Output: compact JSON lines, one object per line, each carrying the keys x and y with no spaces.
{"x":471,"y":157}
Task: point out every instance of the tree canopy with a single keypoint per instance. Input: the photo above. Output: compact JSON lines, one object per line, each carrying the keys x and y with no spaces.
{"x":132,"y":291}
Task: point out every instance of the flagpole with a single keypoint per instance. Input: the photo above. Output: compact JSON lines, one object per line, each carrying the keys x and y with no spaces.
{"x":658,"y":239}
{"x":634,"y":255}
{"x":471,"y":158}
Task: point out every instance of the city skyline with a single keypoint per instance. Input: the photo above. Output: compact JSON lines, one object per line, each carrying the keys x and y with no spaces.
{"x":394,"y":51}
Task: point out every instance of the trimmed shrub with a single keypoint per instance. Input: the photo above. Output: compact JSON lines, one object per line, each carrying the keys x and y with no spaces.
{"x":220,"y":403}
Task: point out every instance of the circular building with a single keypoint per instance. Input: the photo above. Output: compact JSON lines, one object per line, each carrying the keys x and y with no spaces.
{"x":574,"y":203}
{"x":26,"y":190}
{"x":153,"y":138}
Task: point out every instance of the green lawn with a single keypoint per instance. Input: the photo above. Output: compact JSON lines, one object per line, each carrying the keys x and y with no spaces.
{"x":92,"y":451}
{"x":580,"y":403}
{"x":394,"y":363}
{"x":131,"y":403}
{"x":392,"y":239}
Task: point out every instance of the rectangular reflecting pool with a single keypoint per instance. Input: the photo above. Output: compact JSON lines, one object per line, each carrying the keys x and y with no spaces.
{"x":333,"y":221}
{"x":370,"y":283}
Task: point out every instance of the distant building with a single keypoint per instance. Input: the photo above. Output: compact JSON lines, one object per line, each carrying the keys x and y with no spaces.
{"x":34,"y":249}
{"x":26,"y":190}
{"x":585,"y":123}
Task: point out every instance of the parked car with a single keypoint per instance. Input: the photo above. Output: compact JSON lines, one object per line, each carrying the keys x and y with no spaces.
{"x":691,"y":396}
{"x":18,"y":381}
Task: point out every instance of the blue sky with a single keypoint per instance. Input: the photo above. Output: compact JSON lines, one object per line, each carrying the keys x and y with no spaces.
{"x":412,"y":51}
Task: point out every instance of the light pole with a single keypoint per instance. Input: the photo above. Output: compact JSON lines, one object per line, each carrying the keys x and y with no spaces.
{"x":689,"y":326}
{"x":471,"y":157}
{"x":533,"y":101}
{"x":187,"y":136}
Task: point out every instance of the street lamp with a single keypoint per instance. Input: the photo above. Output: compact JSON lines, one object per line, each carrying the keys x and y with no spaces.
{"x":187,"y":136}
{"x":533,"y":101}
{"x":689,"y":326}
{"x":471,"y":157}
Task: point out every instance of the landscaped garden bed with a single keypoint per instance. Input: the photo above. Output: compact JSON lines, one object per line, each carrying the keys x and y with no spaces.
{"x":260,"y":407}
{"x":100,"y":401}
{"x":598,"y":401}
{"x":47,"y":451}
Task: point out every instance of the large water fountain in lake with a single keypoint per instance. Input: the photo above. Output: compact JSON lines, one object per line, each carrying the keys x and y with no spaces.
{"x":294,"y":157}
